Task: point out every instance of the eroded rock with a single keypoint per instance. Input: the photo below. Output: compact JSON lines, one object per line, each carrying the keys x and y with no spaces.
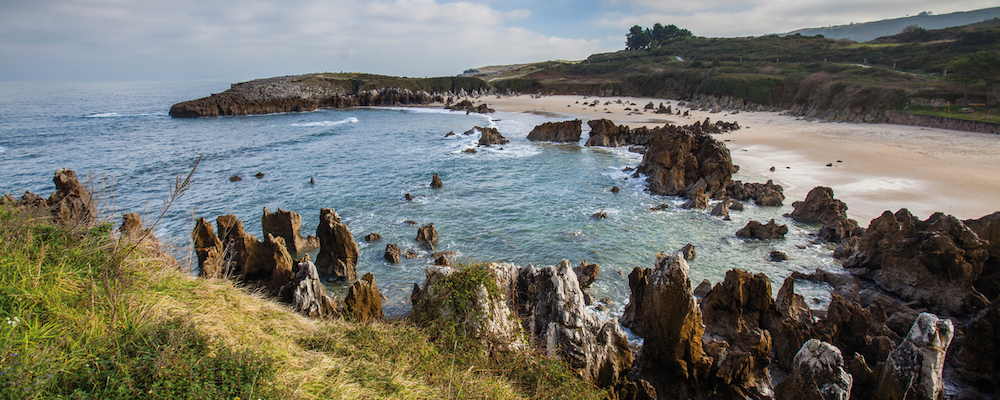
{"x":565,"y":131}
{"x":288,"y":225}
{"x":307,"y":295}
{"x":427,"y":236}
{"x":491,"y":136}
{"x":756,"y":230}
{"x":820,"y":207}
{"x":363,"y":301}
{"x":819,"y":373}
{"x":914,"y":370}
{"x":338,"y":252}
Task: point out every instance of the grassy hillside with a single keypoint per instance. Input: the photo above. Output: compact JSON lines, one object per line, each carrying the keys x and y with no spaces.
{"x":865,"y":31}
{"x":83,"y":316}
{"x":779,"y":71}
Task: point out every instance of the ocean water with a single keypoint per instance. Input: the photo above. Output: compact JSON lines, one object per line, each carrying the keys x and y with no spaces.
{"x":523,"y":202}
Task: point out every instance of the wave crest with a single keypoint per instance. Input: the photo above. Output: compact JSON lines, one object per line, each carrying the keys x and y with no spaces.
{"x":349,"y":120}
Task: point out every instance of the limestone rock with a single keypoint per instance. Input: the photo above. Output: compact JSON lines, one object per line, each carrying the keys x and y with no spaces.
{"x":70,"y":205}
{"x":373,"y":237}
{"x":307,"y":295}
{"x":914,"y":370}
{"x":288,"y":226}
{"x":980,"y":354}
{"x":427,"y":236}
{"x":820,"y":207}
{"x":756,"y":230}
{"x":722,"y":208}
{"x":763,"y":194}
{"x":338,"y":252}
{"x":436,"y":182}
{"x":265,"y":263}
{"x":988,"y":229}
{"x":392,"y":253}
{"x":491,"y":136}
{"x":363,"y":301}
{"x":586,"y":273}
{"x":132,"y":226}
{"x":935,"y":262}
{"x":688,"y":252}
{"x":697,"y":198}
{"x":565,"y":131}
{"x":741,"y":302}
{"x":819,"y":373}
{"x":605,"y":133}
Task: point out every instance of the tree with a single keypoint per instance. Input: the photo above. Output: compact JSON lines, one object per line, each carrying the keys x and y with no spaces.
{"x":983,"y":66}
{"x":637,"y":38}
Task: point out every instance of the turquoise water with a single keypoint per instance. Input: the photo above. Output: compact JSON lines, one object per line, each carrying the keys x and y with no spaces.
{"x":522,"y":203}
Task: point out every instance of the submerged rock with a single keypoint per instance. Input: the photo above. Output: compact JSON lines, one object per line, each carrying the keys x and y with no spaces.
{"x":392,"y":253}
{"x":436,"y":182}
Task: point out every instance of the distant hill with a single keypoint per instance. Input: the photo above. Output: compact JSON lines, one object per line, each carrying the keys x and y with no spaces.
{"x":866,"y":31}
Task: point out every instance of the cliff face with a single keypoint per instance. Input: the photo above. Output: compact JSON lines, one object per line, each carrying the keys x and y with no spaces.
{"x":309,"y":92}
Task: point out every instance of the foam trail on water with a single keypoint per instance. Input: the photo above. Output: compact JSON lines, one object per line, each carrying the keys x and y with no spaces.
{"x":350,"y":120}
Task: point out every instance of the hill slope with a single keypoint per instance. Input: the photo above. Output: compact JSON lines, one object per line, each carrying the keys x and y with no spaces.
{"x":863,"y":32}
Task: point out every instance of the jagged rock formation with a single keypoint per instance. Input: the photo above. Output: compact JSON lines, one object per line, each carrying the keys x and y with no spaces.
{"x":980,"y":354}
{"x":820,"y":373}
{"x":988,"y":229}
{"x":676,"y":163}
{"x":312,"y":91}
{"x":288,"y":225}
{"x":935,"y":262}
{"x":392,"y":253}
{"x":307,"y":295}
{"x":756,"y":230}
{"x":468,"y":107}
{"x":605,"y":133}
{"x":491,"y":136}
{"x":914,"y":369}
{"x":565,"y":131}
{"x":728,"y":104}
{"x":820,"y":207}
{"x":722,"y":208}
{"x":364,"y":302}
{"x":238,"y":254}
{"x":70,"y":205}
{"x":373,"y":237}
{"x":834,"y":114}
{"x":763,"y":194}
{"x":338,"y":253}
{"x":132,"y":226}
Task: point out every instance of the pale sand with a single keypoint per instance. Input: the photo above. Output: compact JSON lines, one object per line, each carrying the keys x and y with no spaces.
{"x":884,"y":167}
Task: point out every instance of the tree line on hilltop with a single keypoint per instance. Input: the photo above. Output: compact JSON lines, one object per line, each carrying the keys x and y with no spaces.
{"x":639,"y":38}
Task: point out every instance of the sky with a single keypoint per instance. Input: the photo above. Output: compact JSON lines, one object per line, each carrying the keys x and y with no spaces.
{"x":234,"y":40}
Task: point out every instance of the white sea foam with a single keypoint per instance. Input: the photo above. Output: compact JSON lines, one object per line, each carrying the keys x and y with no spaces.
{"x":120,"y":115}
{"x":349,"y":120}
{"x":3,"y":149}
{"x":103,"y":115}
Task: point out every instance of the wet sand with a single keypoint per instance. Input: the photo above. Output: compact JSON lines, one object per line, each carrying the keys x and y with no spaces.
{"x":875,"y":167}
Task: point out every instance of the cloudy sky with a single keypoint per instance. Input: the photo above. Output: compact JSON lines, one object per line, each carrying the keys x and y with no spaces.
{"x":239,"y":40}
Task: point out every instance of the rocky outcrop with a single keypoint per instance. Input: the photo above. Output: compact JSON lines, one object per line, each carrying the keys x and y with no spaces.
{"x":980,"y":353}
{"x":721,"y":209}
{"x":988,"y":229}
{"x":914,"y":370}
{"x":132,"y":226}
{"x":288,"y":225}
{"x":70,"y":205}
{"x":820,"y":207}
{"x":238,"y":254}
{"x":427,"y":236}
{"x":312,"y":91}
{"x":491,"y":136}
{"x":819,"y":373}
{"x":756,"y":230}
{"x":729,"y":104}
{"x":469,"y":107}
{"x":763,"y":194}
{"x":307,"y":295}
{"x":364,"y":302}
{"x":436,"y":182}
{"x":675,"y":163}
{"x":565,"y":131}
{"x":741,"y":302}
{"x":934,"y":262}
{"x":338,"y":253}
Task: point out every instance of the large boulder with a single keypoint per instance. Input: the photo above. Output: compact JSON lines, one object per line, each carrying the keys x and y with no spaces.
{"x":914,"y":370}
{"x":364,"y":302}
{"x":565,"y":131}
{"x":604,"y":132}
{"x":819,"y":373}
{"x":756,"y":230}
{"x":741,"y":302}
{"x":677,"y":160}
{"x":988,"y":229}
{"x":338,"y":252}
{"x":763,"y":194}
{"x":793,"y":328}
{"x":307,"y":294}
{"x":392,"y":253}
{"x":288,"y":225}
{"x":820,"y":207}
{"x":935,"y":262}
{"x":491,"y":136}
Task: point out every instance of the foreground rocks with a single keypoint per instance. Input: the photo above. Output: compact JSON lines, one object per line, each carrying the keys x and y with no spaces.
{"x":565,"y":131}
{"x":550,"y":310}
{"x":364,"y":302}
{"x":683,"y":163}
{"x":307,"y":295}
{"x":338,"y":252}
{"x":819,"y":373}
{"x":234,"y":253}
{"x":288,"y":226}
{"x":70,"y":205}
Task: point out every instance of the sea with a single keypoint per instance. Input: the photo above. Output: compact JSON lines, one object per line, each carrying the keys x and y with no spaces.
{"x":522,"y":202}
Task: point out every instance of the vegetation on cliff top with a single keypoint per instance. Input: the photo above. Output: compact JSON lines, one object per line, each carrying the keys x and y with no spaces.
{"x":82,"y":317}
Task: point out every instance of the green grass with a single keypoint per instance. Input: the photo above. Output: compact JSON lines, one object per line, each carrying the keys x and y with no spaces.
{"x":974,"y":114}
{"x":81,"y":317}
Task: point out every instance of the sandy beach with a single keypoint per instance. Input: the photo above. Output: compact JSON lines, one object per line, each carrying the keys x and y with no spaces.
{"x":875,"y":167}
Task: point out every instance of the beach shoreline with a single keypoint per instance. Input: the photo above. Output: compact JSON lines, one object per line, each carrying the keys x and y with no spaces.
{"x":871,"y":167}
